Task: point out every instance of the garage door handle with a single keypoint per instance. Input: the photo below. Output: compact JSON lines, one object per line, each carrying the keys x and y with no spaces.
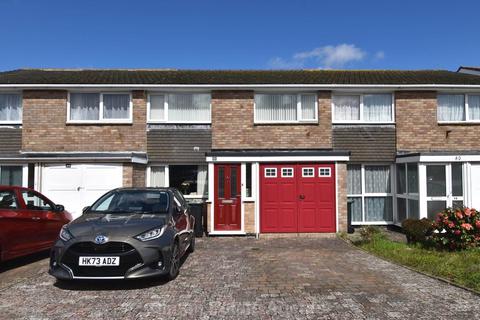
{"x":302,"y":196}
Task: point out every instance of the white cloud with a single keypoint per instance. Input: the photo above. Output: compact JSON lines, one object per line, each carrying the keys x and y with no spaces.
{"x":379,"y":55}
{"x":331,"y":56}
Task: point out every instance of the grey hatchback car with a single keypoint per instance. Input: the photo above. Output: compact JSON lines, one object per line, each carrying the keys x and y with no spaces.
{"x":127,"y":233}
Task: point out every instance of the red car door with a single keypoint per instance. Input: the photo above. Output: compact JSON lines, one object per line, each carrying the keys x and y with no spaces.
{"x":48,"y":220}
{"x":18,"y":227}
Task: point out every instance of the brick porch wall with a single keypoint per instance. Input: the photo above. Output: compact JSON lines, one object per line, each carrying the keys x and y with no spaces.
{"x":249,"y":217}
{"x":233,"y":125}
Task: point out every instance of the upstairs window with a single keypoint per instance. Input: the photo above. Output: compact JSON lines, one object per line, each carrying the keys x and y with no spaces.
{"x":370,"y":108}
{"x":458,"y":108}
{"x":10,"y":108}
{"x":100,"y":107}
{"x":287,"y":108}
{"x":179,"y":108}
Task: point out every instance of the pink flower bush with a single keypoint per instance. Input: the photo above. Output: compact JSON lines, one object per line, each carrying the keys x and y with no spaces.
{"x":457,"y":229}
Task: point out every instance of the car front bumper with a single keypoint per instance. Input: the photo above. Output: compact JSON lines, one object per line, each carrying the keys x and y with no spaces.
{"x":140,"y":260}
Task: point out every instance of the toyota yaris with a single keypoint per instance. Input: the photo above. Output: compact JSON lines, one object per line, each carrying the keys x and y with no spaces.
{"x":128,"y":233}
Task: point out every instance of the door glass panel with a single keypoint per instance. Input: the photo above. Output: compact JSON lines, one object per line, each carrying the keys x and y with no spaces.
{"x":401,"y":209}
{"x":457,"y":204}
{"x":436,"y":181}
{"x":221,"y":182}
{"x":11,"y":175}
{"x":457,"y":180}
{"x":356,"y":209}
{"x":233,"y":182}
{"x":434,"y":208}
{"x":378,"y":209}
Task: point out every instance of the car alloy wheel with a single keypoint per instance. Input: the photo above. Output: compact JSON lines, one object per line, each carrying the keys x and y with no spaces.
{"x":174,"y":262}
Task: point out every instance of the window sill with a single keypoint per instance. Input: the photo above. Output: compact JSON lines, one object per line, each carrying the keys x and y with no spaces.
{"x":383,"y":222}
{"x":177,"y":122}
{"x":458,"y":123}
{"x":276,"y":123}
{"x":96,"y":122}
{"x":10,"y":122}
{"x":363,"y":122}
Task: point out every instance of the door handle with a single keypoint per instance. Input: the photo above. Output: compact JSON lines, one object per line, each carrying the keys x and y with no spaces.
{"x":35,"y":218}
{"x":302,"y":196}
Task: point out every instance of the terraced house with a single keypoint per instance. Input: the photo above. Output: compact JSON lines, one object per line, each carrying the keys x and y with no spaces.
{"x":267,"y":151}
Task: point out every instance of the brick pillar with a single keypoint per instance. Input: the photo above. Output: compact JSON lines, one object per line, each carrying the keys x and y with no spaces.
{"x":342,"y":196}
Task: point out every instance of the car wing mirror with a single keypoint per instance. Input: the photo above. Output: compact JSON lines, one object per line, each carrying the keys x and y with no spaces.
{"x":84,"y":210}
{"x":59,"y":208}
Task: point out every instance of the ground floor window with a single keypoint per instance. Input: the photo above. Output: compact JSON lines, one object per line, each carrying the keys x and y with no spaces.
{"x":369,"y":190}
{"x":11,"y":175}
{"x":191,"y":180}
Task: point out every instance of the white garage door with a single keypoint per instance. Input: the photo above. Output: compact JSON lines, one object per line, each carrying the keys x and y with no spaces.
{"x":79,"y":185}
{"x":475,"y":186}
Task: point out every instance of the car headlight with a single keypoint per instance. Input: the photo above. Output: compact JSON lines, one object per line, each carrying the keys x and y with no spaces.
{"x":151,"y":234}
{"x":65,"y":235}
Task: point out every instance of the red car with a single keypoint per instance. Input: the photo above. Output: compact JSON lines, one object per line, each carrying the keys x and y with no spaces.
{"x":29,"y":222}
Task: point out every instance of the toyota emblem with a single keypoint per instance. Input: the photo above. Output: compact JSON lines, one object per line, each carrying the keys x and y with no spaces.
{"x":100,"y":239}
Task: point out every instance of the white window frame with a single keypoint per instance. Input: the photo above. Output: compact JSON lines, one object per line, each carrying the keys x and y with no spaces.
{"x":299,"y":109}
{"x":243,"y":169}
{"x":292,"y":175}
{"x":465,"y":107}
{"x":308,"y":176}
{"x":329,"y":170}
{"x":364,"y":195}
{"x":361,"y":120}
{"x":101,"y":119}
{"x":165,"y":108}
{"x":21,"y":106}
{"x":265,"y":175}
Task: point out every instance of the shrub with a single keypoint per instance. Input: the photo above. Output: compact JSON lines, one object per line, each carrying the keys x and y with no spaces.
{"x":417,"y":231}
{"x":457,"y":229}
{"x":368,"y":233}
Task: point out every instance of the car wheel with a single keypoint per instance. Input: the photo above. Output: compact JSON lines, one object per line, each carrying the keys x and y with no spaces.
{"x":191,"y":247}
{"x":174,"y":262}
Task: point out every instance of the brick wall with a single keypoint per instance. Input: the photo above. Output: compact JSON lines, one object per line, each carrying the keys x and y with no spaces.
{"x":138,"y":175}
{"x":249,"y":217}
{"x":233,"y":127}
{"x":418,"y":130}
{"x":45,"y":128}
{"x":342,"y":196}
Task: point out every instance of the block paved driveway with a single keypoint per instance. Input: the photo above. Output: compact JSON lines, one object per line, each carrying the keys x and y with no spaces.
{"x":230,"y":278}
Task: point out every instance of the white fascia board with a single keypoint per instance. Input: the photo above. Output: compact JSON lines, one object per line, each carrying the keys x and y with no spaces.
{"x":440,"y":158}
{"x":278,"y":159}
{"x":240,"y":86}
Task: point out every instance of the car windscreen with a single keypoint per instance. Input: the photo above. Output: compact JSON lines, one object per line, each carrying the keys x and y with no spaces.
{"x":132,"y":201}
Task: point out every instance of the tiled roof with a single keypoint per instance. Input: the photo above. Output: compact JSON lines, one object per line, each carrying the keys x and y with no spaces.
{"x":235,"y":77}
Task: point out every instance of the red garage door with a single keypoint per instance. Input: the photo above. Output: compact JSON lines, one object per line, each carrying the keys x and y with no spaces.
{"x":297,"y":198}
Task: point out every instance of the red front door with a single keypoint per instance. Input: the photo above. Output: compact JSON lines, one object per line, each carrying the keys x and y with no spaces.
{"x":297,"y":198}
{"x":227,"y":214}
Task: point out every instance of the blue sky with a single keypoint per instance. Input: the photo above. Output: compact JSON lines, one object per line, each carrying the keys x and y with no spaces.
{"x":243,"y":34}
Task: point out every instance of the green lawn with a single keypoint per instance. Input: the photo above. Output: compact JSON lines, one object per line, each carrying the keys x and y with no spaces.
{"x":459,"y":267}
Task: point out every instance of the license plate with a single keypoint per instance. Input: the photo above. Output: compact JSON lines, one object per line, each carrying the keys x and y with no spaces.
{"x":99,"y":261}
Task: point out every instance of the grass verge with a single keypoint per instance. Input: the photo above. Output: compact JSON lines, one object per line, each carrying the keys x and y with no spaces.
{"x":462,"y":267}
